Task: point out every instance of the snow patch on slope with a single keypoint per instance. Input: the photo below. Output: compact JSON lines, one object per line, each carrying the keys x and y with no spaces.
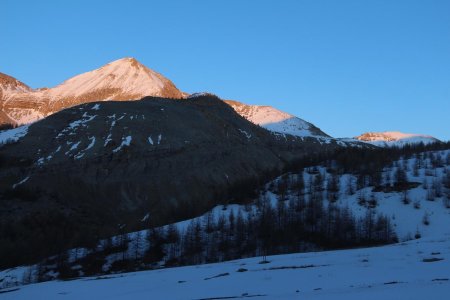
{"x":21,"y":182}
{"x":13,"y":135}
{"x":91,"y":144}
{"x":126,"y":141}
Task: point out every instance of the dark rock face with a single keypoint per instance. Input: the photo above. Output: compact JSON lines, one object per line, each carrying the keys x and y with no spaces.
{"x":102,"y":164}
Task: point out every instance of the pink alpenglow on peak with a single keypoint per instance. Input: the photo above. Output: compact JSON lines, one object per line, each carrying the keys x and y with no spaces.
{"x":277,"y":121}
{"x":123,"y":79}
{"x":395,"y":138}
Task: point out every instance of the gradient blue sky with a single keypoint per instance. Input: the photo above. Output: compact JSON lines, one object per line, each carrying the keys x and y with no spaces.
{"x":347,"y":66}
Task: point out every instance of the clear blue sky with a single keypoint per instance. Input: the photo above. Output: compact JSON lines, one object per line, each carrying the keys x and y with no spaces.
{"x":346,"y":66}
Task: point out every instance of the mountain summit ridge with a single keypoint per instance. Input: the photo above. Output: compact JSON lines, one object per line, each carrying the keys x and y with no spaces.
{"x":122,"y":79}
{"x":395,"y":138}
{"x":276,"y":120}
{"x":128,"y":79}
{"x":126,"y":74}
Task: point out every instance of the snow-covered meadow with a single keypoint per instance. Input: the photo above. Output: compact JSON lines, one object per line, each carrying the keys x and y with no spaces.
{"x":416,"y":269}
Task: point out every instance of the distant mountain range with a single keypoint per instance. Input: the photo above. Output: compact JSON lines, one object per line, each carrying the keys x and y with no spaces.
{"x":395,"y":138}
{"x":124,"y":79}
{"x":128,"y":79}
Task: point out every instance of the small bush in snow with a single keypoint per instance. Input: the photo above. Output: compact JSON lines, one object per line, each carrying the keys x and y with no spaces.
{"x":446,"y":200}
{"x":426,"y":219}
{"x":405,"y":198}
{"x":431,"y":195}
{"x":417,"y":235}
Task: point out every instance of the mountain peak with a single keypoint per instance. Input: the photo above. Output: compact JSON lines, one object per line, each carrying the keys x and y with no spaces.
{"x":128,"y":59}
{"x":395,"y":138}
{"x":131,"y":61}
{"x":122,"y":79}
{"x":10,"y":83}
{"x":275,"y":120}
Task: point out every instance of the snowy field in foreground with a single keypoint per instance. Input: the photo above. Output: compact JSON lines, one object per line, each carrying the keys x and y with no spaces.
{"x":416,"y":269}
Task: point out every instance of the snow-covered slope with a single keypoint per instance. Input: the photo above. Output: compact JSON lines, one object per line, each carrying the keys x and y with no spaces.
{"x":123,"y":79}
{"x":395,"y":138}
{"x":423,"y":211}
{"x":13,"y":135}
{"x":412,"y":270}
{"x":125,"y":76}
{"x":276,"y":120}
